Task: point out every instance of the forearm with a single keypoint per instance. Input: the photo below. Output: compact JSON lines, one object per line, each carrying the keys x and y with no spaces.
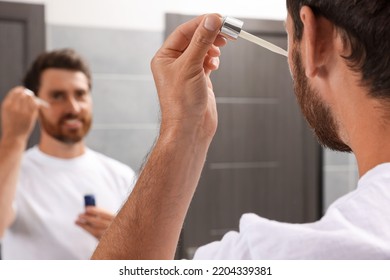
{"x":11,"y":153}
{"x":149,"y":224}
{"x":19,"y":112}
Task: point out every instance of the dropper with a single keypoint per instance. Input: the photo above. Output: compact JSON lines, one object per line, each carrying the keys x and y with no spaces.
{"x":232,"y":29}
{"x":38,"y":100}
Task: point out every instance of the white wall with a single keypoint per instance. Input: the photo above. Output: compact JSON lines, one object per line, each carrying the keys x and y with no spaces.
{"x":149,"y":14}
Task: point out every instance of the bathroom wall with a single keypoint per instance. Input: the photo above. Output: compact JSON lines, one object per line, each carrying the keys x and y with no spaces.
{"x":119,"y":38}
{"x":340,"y":175}
{"x":149,"y":14}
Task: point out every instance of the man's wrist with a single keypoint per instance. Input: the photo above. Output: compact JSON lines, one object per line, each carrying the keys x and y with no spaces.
{"x":11,"y":143}
{"x":194,"y":136}
{"x":188,"y":130}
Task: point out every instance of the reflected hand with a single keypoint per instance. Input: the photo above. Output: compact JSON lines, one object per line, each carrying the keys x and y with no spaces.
{"x":95,"y":220}
{"x":19,"y":113}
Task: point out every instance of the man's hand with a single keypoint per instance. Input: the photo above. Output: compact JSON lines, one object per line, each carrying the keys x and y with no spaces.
{"x":95,"y":220}
{"x":19,"y":113}
{"x":181,"y":70}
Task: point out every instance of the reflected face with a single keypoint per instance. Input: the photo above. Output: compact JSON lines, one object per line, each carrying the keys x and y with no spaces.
{"x":69,"y":117}
{"x":317,"y":113}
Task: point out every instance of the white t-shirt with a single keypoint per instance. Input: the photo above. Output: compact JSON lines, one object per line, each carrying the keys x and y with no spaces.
{"x":49,"y":198}
{"x":356,"y":226}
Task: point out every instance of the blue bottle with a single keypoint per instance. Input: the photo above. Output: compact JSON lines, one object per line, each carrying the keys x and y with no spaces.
{"x":89,"y":200}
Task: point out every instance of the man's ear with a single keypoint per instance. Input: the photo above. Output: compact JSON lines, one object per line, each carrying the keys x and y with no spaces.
{"x":317,"y":41}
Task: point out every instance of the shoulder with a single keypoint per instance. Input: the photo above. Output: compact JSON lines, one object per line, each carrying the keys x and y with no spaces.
{"x":244,"y":244}
{"x":337,"y":235}
{"x":31,"y":158}
{"x":31,"y":153}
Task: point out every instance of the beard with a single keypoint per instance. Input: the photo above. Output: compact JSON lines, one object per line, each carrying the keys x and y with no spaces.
{"x":66,"y":135}
{"x":316,"y":112}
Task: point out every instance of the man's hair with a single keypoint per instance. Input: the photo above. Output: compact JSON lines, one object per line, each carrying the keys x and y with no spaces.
{"x":61,"y":59}
{"x":364,"y":26}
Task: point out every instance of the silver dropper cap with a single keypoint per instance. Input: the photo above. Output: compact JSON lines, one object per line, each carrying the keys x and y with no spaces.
{"x":231,"y":28}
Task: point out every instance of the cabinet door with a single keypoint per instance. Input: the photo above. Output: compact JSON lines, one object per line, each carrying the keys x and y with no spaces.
{"x":22,"y":38}
{"x":263,"y":159}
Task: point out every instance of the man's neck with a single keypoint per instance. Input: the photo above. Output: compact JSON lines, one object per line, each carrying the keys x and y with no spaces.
{"x":369,"y":133}
{"x":55,"y":148}
{"x":363,"y":122}
{"x":372,"y":147}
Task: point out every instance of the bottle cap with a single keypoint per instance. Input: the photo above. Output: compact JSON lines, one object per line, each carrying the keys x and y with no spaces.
{"x":231,"y":28}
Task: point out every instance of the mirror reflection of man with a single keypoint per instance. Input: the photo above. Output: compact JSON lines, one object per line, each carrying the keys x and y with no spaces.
{"x":42,"y":192}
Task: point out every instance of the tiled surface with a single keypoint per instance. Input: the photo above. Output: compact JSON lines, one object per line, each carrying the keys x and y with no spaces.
{"x":336,"y":158}
{"x":109,"y":50}
{"x":118,"y":101}
{"x":340,"y":175}
{"x":336,"y":184}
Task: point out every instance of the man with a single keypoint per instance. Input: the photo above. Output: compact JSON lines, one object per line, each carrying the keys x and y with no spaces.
{"x":42,"y":190}
{"x":339,"y":59}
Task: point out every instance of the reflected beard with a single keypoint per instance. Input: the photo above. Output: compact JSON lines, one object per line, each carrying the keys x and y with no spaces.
{"x":70,"y":136}
{"x":317,"y":114}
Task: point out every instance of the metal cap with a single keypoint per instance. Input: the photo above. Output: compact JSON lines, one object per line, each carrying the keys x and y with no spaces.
{"x":231,"y":27}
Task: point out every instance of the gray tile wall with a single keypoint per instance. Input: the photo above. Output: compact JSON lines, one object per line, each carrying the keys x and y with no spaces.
{"x":125,"y":102}
{"x":126,"y":112}
{"x":340,"y":175}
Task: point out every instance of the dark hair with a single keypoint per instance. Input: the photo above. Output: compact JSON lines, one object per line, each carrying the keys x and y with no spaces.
{"x":61,"y":59}
{"x":364,"y":26}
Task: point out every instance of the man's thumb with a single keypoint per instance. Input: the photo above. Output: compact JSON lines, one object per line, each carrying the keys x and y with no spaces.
{"x":203,"y":38}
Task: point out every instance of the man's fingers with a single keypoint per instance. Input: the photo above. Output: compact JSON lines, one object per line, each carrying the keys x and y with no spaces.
{"x":194,"y":38}
{"x":211,"y":64}
{"x":97,"y":217}
{"x":214,"y":51}
{"x":37,"y":100}
{"x":96,"y":211}
{"x":91,"y":229}
{"x":180,"y":38}
{"x":220,"y":41}
{"x":94,"y":221}
{"x":203,"y":38}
